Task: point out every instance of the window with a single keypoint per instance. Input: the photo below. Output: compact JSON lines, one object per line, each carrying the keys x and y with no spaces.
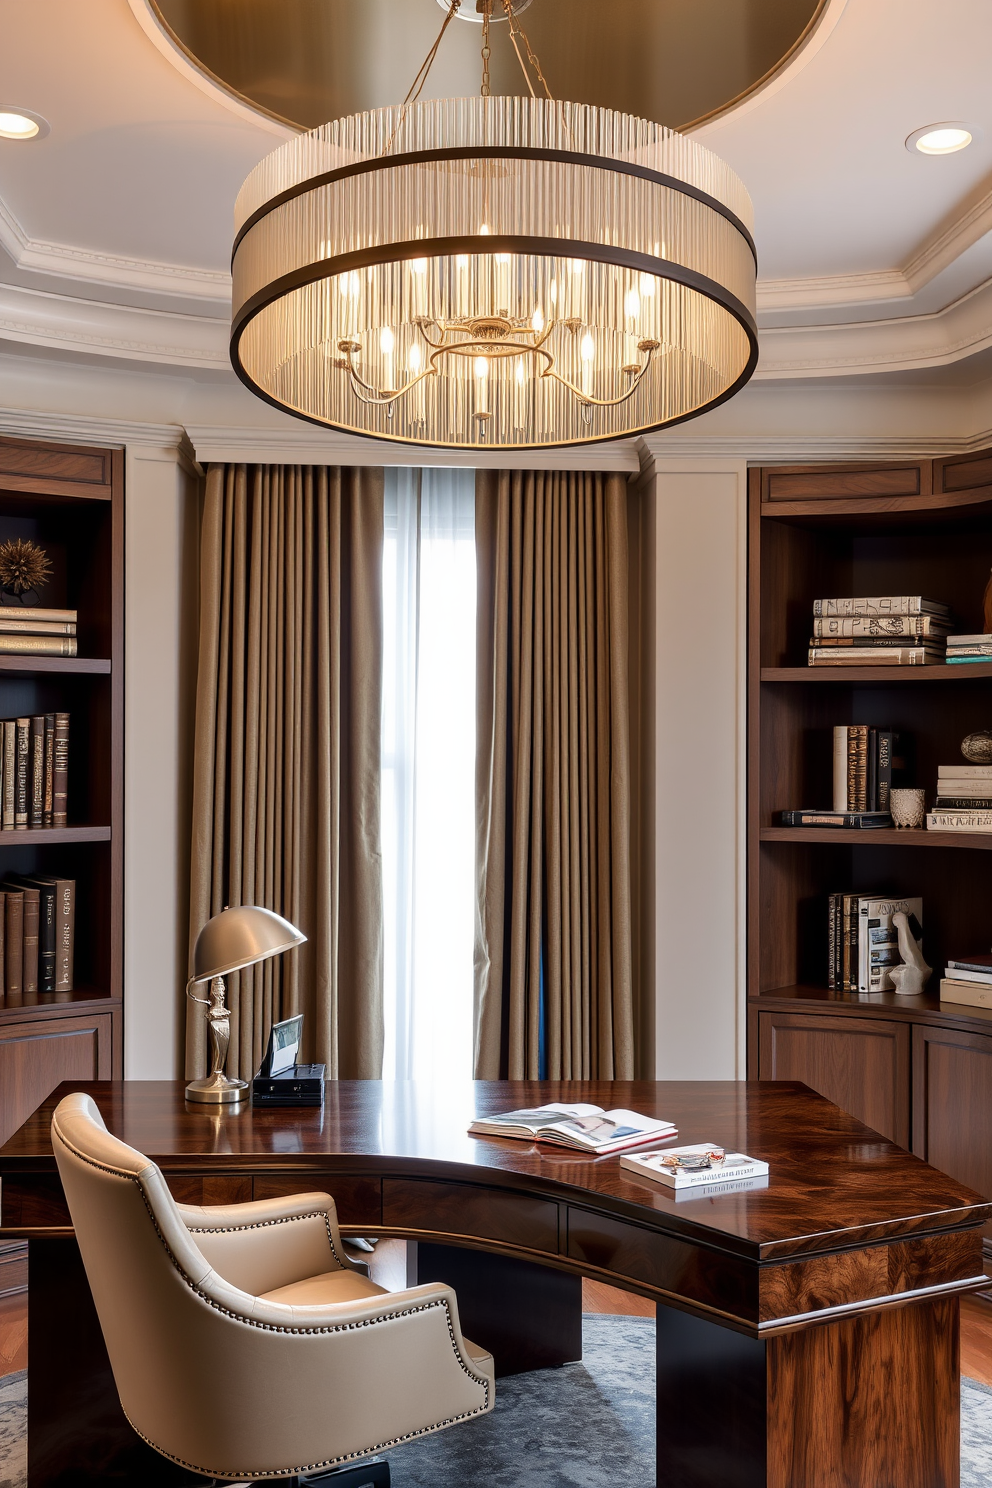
{"x":428,"y":772}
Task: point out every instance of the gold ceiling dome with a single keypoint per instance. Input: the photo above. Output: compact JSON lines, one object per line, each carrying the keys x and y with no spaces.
{"x":493,"y":272}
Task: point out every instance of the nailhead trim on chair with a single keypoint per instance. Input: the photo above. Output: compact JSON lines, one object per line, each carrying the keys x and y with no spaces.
{"x":280,"y":1328}
{"x":262,"y":1224}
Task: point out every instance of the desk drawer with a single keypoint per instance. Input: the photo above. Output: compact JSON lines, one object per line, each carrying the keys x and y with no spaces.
{"x":358,"y":1199}
{"x":465,"y":1209}
{"x":675,"y":1266}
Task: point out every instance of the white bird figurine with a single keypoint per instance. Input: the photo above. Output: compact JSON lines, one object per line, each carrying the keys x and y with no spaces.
{"x":914,"y":973}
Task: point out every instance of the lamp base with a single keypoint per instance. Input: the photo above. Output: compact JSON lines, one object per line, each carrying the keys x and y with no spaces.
{"x":216,"y":1090}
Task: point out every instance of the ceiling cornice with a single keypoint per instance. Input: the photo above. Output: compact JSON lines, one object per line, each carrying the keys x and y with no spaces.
{"x":39,"y":318}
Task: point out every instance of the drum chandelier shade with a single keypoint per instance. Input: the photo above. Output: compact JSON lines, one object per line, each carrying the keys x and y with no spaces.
{"x":493,"y":272}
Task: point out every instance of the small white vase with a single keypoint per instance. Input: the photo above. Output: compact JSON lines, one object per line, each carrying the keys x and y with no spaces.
{"x":907,"y":804}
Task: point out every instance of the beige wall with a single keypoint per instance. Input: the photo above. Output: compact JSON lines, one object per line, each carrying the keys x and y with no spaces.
{"x":161,"y":519}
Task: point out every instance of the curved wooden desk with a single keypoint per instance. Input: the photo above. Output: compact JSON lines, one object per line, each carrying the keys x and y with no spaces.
{"x":807,"y":1331}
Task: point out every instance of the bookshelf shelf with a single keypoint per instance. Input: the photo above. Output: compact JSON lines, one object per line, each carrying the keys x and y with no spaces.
{"x":914,"y":1068}
{"x":878,"y":837}
{"x":70,"y":665}
{"x":880,"y":676}
{"x":35,"y":836}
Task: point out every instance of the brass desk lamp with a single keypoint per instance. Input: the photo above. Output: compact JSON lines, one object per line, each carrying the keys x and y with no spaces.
{"x":232,"y":940}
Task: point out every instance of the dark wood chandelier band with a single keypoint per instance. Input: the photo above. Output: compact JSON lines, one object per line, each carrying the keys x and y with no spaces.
{"x":544,"y":247}
{"x":495,"y":152}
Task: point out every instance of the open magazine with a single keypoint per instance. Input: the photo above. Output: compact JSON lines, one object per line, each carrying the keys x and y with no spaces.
{"x":587,"y":1128}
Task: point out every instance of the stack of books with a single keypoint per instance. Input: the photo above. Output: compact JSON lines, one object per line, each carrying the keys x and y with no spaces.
{"x":37,"y":934}
{"x":881,"y":630}
{"x":964,"y":799}
{"x":34,"y":771}
{"x":37,"y":631}
{"x":969,"y":980}
{"x":966,"y":648}
{"x":867,"y":762}
{"x":863,"y":942}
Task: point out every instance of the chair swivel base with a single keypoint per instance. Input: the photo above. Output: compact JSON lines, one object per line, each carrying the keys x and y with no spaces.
{"x":372,"y":1473}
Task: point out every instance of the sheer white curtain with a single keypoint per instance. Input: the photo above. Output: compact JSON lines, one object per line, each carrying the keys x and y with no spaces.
{"x":428,"y":772}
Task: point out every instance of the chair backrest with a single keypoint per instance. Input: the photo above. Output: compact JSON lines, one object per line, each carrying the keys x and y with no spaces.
{"x":143,"y":1269}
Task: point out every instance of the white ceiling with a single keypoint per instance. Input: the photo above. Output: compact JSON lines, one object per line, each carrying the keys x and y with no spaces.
{"x":115,"y":230}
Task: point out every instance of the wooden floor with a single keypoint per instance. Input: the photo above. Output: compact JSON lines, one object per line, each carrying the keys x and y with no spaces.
{"x":390,"y":1269}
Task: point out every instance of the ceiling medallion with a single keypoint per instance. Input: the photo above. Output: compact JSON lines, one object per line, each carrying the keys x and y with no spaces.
{"x":493,"y":272}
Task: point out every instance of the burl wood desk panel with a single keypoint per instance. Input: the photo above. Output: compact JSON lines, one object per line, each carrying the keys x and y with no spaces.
{"x":807,"y":1330}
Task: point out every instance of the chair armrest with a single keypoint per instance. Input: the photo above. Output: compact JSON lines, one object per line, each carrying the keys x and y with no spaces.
{"x":269,"y":1243}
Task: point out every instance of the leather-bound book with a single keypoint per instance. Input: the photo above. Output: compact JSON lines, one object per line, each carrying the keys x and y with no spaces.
{"x":49,"y":767}
{"x":65,"y":927}
{"x":9,"y":773}
{"x":36,"y":807}
{"x":22,"y":786}
{"x":47,"y":893}
{"x":31,"y":910}
{"x":14,"y":949}
{"x":60,"y":771}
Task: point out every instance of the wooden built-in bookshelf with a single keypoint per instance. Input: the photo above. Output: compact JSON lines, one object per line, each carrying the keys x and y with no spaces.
{"x":919,"y":1070}
{"x":70,"y":500}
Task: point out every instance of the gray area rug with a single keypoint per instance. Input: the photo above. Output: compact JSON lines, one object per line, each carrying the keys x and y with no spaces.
{"x":588,"y":1425}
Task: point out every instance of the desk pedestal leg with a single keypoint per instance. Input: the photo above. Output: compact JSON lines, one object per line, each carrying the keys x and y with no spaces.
{"x":527,"y":1316}
{"x":78,"y":1436}
{"x":869,"y":1402}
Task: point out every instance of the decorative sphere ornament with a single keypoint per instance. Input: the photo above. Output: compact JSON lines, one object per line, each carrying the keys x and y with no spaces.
{"x":977,"y":747}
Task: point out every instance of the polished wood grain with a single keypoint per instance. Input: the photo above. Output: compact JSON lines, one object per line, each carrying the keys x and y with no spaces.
{"x":952,"y":1102}
{"x":13,"y":1333}
{"x":38,"y":1053}
{"x":13,"y":1267}
{"x":358,"y":1200}
{"x":879,"y":676}
{"x":42,"y":467}
{"x":861,"y":1066}
{"x":976,"y":1338}
{"x":866,"y":1402}
{"x":868,"y":1189}
{"x":792,"y":483}
{"x":848,"y":1225}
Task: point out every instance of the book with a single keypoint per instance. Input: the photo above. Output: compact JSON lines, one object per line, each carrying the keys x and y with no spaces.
{"x":30,"y":926}
{"x":12,"y":624}
{"x":65,"y":927}
{"x":882,"y":656}
{"x":36,"y":803}
{"x":964,"y":772}
{"x":881,"y":604}
{"x":857,"y":767}
{"x":14,"y":941}
{"x":36,"y":612}
{"x":969,"y":640}
{"x":878,"y":945}
{"x":60,"y":771}
{"x":959,"y":821}
{"x":38,"y":645}
{"x":877,"y":643}
{"x":820,"y":817}
{"x":948,"y":785}
{"x":884,"y":627}
{"x":972,"y":994}
{"x":984,"y":978}
{"x":23,"y":768}
{"x":840,"y":767}
{"x":978,"y":962}
{"x":46,"y":927}
{"x":657,"y":1166}
{"x":49,"y":767}
{"x":967,"y":660}
{"x":983,"y":648}
{"x":586,"y":1128}
{"x":9,"y":772}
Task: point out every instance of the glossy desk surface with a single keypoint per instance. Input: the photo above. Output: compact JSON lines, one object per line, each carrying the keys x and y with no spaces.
{"x":833,"y":1182}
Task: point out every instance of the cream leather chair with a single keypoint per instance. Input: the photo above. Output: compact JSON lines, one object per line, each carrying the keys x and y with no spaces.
{"x":244,"y":1342}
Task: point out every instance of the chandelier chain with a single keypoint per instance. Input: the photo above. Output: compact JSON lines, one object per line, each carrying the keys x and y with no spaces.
{"x":517,"y":30}
{"x":487,"y":10}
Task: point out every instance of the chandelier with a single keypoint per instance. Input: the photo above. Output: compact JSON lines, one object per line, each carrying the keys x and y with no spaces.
{"x":493,"y":272}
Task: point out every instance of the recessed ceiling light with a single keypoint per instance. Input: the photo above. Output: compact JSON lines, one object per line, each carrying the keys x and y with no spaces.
{"x":940,"y":139}
{"x":21,"y":124}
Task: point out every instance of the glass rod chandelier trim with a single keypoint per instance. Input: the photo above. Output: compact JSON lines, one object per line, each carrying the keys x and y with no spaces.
{"x":493,"y":273}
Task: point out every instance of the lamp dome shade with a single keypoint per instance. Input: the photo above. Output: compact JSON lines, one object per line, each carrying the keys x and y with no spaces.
{"x":240,"y":937}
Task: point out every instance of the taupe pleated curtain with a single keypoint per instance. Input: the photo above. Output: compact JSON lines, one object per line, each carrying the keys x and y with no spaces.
{"x":553,"y":936}
{"x":286,"y":762}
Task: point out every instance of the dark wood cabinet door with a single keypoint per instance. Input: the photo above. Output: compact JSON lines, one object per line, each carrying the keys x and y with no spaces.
{"x":36,"y":1055}
{"x":861,"y":1064}
{"x":952,"y":1103}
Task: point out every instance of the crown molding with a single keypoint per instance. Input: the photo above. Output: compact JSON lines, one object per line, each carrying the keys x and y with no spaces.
{"x":231,"y":444}
{"x":949,"y":335}
{"x":91,"y":429}
{"x":798,"y":449}
{"x":86,"y":266}
{"x":39,"y":318}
